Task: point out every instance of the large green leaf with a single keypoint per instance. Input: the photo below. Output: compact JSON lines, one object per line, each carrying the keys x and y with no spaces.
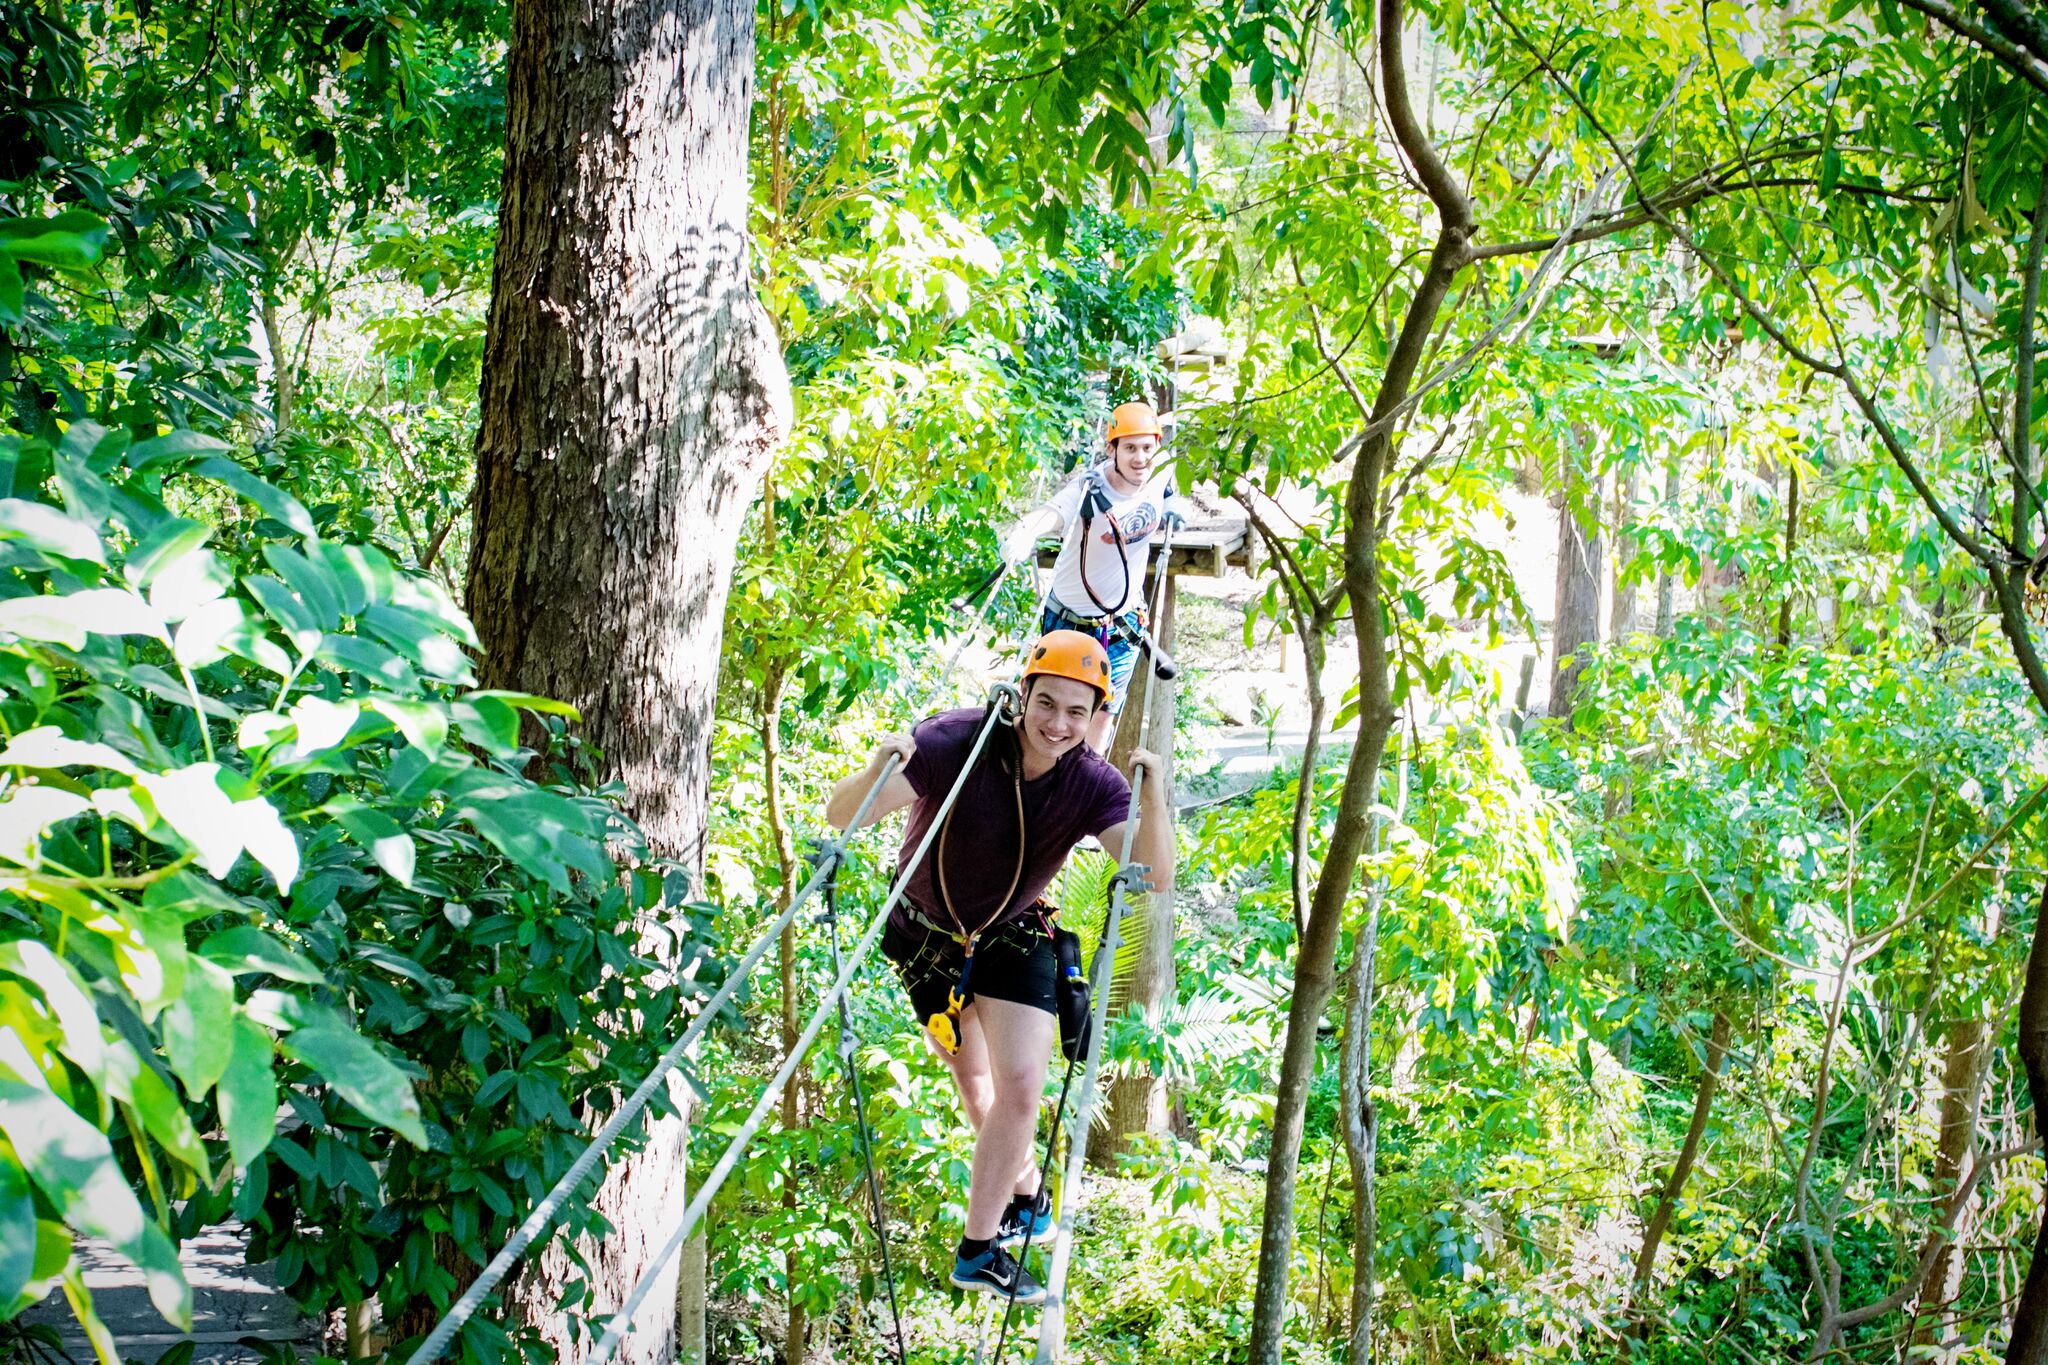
{"x":17,"y":1231}
{"x":364,"y":1076}
{"x":245,"y":948}
{"x":72,"y":239}
{"x":248,"y":1092}
{"x":198,"y":1027}
{"x":71,"y":1162}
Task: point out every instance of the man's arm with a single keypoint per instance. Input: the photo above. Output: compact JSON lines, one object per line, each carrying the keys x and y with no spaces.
{"x":1154,"y":844}
{"x":1020,"y":540}
{"x":896,"y":793}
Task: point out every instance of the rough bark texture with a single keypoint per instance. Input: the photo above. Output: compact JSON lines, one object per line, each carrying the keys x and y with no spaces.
{"x":1688,"y":1154}
{"x":2029,"y":1342}
{"x":1137,"y":1104}
{"x":1962,"y":1089}
{"x":632,"y":392}
{"x":1575,"y":623}
{"x":1315,"y":959}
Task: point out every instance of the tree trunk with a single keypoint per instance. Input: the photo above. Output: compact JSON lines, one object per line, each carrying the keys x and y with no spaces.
{"x":1962,"y":1088}
{"x":1621,"y":616}
{"x":632,"y":392}
{"x":1361,"y":1113}
{"x":1667,"y":586}
{"x":1575,"y":622}
{"x":1137,"y":1104}
{"x":1315,"y":958}
{"x":2029,"y":1342}
{"x":1688,"y":1153}
{"x":1791,"y":544}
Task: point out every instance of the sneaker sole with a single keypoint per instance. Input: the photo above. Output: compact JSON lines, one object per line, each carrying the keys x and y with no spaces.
{"x":984,"y":1287}
{"x":1017,"y":1239}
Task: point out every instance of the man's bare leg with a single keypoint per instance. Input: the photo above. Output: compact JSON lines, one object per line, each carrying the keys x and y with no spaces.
{"x":1018,"y":1044}
{"x":970,"y":1071}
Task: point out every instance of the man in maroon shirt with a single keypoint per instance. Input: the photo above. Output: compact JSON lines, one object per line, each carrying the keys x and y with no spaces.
{"x":968,"y":920}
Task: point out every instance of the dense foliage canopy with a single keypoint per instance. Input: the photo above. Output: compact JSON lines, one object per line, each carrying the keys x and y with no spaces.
{"x":1702,"y":1017}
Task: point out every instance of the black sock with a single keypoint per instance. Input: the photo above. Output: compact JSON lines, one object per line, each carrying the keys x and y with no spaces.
{"x":1021,"y":1202}
{"x":971,"y":1247}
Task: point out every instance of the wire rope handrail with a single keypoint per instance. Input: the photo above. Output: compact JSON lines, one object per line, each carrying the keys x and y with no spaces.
{"x":621,"y":1321}
{"x":834,"y":852}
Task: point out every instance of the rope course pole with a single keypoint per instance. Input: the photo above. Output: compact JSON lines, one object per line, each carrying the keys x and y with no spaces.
{"x":544,"y":1213}
{"x":622,"y":1320}
{"x":1052,"y":1319}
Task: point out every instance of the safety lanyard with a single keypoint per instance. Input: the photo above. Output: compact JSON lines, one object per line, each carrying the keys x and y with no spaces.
{"x":945,"y":1026}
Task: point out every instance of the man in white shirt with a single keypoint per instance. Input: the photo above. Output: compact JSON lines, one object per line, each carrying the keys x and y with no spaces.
{"x":1098,"y":585}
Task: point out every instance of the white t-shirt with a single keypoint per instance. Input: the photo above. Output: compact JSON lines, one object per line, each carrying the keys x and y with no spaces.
{"x":1117,"y":580}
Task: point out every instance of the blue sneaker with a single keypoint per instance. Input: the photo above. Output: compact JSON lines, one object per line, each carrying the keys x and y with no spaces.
{"x":1027,"y":1224}
{"x":996,"y":1272}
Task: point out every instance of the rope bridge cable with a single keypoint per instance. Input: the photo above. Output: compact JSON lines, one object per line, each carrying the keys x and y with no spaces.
{"x":545,"y":1212}
{"x":1052,"y":1314}
{"x":848,"y":1043}
{"x":621,"y":1321}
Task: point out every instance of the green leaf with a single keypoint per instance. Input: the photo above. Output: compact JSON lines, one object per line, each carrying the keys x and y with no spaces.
{"x":198,"y":1027}
{"x":72,"y":239}
{"x":365,"y":577}
{"x":288,"y":611}
{"x":275,"y":503}
{"x":164,"y":1118}
{"x":46,"y":747}
{"x":71,"y":1162}
{"x":314,"y":585}
{"x":248,"y":1093}
{"x":389,"y":845}
{"x":245,"y":948}
{"x":13,"y":292}
{"x":68,"y":618}
{"x":424,"y":724}
{"x":27,"y":811}
{"x":364,"y":1076}
{"x":17,"y":1232}
{"x":488,"y":722}
{"x":49,"y":530}
{"x":218,"y":829}
{"x":173,"y":445}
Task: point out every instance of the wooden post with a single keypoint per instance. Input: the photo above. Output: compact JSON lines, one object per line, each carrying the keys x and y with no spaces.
{"x":1138,"y":1104}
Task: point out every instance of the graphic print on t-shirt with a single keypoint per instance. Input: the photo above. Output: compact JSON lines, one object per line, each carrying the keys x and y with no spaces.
{"x":1136,"y":525}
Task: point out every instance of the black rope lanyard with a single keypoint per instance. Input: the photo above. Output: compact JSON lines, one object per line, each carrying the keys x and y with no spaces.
{"x":849,"y":1041}
{"x":1096,"y":499}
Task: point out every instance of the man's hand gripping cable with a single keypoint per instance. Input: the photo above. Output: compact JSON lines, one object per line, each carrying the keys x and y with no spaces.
{"x":621,"y":1321}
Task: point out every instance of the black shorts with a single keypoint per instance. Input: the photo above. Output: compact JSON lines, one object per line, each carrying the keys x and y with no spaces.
{"x":1012,"y":962}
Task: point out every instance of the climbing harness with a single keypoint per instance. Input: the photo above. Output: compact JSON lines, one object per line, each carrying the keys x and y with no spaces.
{"x":832,"y":853}
{"x":945,"y":1026}
{"x":621,"y":1321}
{"x":848,"y":1044}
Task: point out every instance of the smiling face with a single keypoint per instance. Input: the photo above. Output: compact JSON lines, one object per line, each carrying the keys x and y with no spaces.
{"x":1056,"y":716}
{"x":1131,"y":458}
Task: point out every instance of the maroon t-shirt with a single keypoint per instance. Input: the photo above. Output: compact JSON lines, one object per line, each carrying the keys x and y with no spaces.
{"x":1082,"y":795}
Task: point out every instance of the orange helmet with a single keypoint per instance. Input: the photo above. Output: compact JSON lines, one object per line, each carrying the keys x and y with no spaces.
{"x":1135,"y":419}
{"x":1070,"y":654}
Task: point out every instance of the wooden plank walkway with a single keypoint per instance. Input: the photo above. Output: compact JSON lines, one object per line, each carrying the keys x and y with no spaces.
{"x":230,"y":1300}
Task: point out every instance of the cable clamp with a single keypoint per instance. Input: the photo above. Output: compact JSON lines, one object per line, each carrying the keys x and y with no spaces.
{"x":1132,"y":877}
